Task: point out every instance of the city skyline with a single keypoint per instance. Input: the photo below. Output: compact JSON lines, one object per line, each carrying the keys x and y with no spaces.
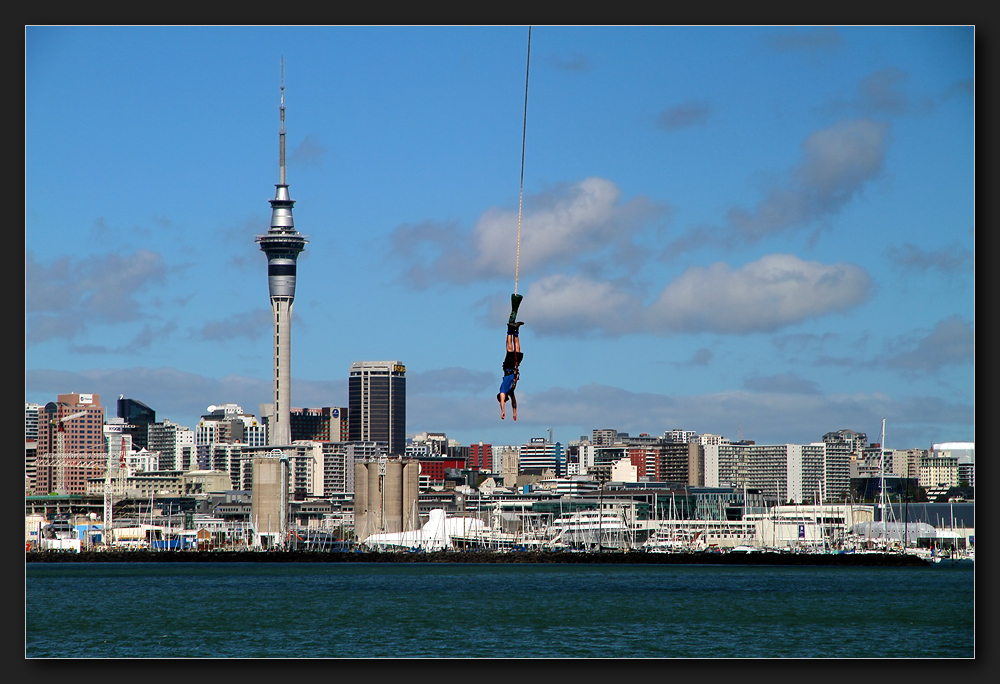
{"x":756,"y":230}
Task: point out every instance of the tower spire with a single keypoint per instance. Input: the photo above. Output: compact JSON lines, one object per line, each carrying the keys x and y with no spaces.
{"x":281,"y":205}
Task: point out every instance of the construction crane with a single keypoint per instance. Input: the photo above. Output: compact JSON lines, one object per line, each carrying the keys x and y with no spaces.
{"x":116,"y":470}
{"x":61,"y":451}
{"x":109,"y":476}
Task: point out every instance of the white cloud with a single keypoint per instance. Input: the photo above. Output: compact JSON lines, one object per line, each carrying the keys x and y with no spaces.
{"x":579,"y":304}
{"x":768,"y":294}
{"x":584,"y":223}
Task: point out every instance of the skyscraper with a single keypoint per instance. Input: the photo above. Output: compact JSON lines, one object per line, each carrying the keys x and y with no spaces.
{"x":282,"y":245}
{"x":377,"y":404}
{"x":71,"y":444}
{"x":138,"y":417}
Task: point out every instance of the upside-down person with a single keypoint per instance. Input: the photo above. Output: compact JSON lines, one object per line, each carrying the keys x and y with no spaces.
{"x":512,"y":361}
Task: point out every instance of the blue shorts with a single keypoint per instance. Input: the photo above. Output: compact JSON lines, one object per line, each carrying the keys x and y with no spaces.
{"x":508,"y":383}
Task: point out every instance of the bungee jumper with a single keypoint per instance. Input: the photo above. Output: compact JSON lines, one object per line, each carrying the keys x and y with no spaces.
{"x":512,"y":361}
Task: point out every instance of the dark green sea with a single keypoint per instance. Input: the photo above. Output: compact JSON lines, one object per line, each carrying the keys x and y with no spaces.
{"x":462,"y":610}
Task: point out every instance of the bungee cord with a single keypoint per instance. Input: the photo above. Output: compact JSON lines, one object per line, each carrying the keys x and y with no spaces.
{"x":520,"y":198}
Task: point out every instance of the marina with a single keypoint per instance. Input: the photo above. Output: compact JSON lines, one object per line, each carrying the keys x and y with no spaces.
{"x":615,"y":526}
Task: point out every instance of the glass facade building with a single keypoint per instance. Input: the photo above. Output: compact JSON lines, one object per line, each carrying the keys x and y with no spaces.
{"x":377,"y":404}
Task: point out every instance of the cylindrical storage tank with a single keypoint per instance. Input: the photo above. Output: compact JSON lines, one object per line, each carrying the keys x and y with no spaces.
{"x":393,"y":496}
{"x":411,"y":495}
{"x":362,"y":520}
{"x":374,"y":503}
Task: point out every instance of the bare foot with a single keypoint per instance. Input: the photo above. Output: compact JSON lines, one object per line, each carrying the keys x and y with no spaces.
{"x":514,"y":413}
{"x":502,"y":414}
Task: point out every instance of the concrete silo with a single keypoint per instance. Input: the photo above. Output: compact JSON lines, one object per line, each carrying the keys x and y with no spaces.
{"x":269,"y":504}
{"x":385,"y":496}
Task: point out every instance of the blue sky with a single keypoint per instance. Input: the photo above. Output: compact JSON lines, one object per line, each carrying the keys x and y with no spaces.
{"x":766,"y":231}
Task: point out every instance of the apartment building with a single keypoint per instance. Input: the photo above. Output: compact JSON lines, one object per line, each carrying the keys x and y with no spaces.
{"x":782,"y":472}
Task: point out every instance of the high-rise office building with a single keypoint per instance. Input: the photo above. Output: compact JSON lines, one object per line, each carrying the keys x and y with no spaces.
{"x":539,"y":455}
{"x":326,"y":424}
{"x":32,"y":418}
{"x":138,"y":417}
{"x":377,"y":404}
{"x":71,"y":445}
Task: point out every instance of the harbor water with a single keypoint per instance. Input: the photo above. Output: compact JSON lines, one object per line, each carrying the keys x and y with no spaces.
{"x":482,"y":610}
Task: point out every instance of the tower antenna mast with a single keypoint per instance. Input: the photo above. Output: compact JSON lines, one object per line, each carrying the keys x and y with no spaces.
{"x":281,"y":133}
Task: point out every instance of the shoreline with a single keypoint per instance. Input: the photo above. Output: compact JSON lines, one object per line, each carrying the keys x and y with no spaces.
{"x":612,"y":557}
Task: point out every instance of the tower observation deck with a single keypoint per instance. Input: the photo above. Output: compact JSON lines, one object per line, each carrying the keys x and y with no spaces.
{"x":282,"y":245}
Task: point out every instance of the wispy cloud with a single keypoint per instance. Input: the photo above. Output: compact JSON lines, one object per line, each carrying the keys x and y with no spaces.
{"x":63,"y":298}
{"x":140,"y":342}
{"x":249,"y":324}
{"x":574,"y":62}
{"x":701,"y":357}
{"x":784,"y":383}
{"x":309,"y":152}
{"x":837,"y":162}
{"x":683,"y":116}
{"x":951,"y":259}
{"x":883,"y":93}
{"x":952,"y":341}
{"x":448,"y":381}
{"x":782,"y":412}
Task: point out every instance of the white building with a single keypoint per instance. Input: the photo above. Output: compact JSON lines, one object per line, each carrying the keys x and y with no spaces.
{"x":338,"y":460}
{"x":307,"y":465}
{"x":624,"y":471}
{"x":783,"y":472}
{"x":338,"y":469}
{"x":228,"y":424}
{"x":174,"y":443}
{"x":965,"y":455}
{"x":683,"y":436}
{"x":222,"y":440}
{"x":939,"y":472}
{"x":539,"y":454}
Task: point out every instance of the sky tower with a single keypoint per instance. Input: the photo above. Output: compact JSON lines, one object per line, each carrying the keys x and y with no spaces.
{"x":282,"y":245}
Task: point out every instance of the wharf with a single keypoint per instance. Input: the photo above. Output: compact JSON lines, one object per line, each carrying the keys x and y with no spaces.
{"x":618,"y":557}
